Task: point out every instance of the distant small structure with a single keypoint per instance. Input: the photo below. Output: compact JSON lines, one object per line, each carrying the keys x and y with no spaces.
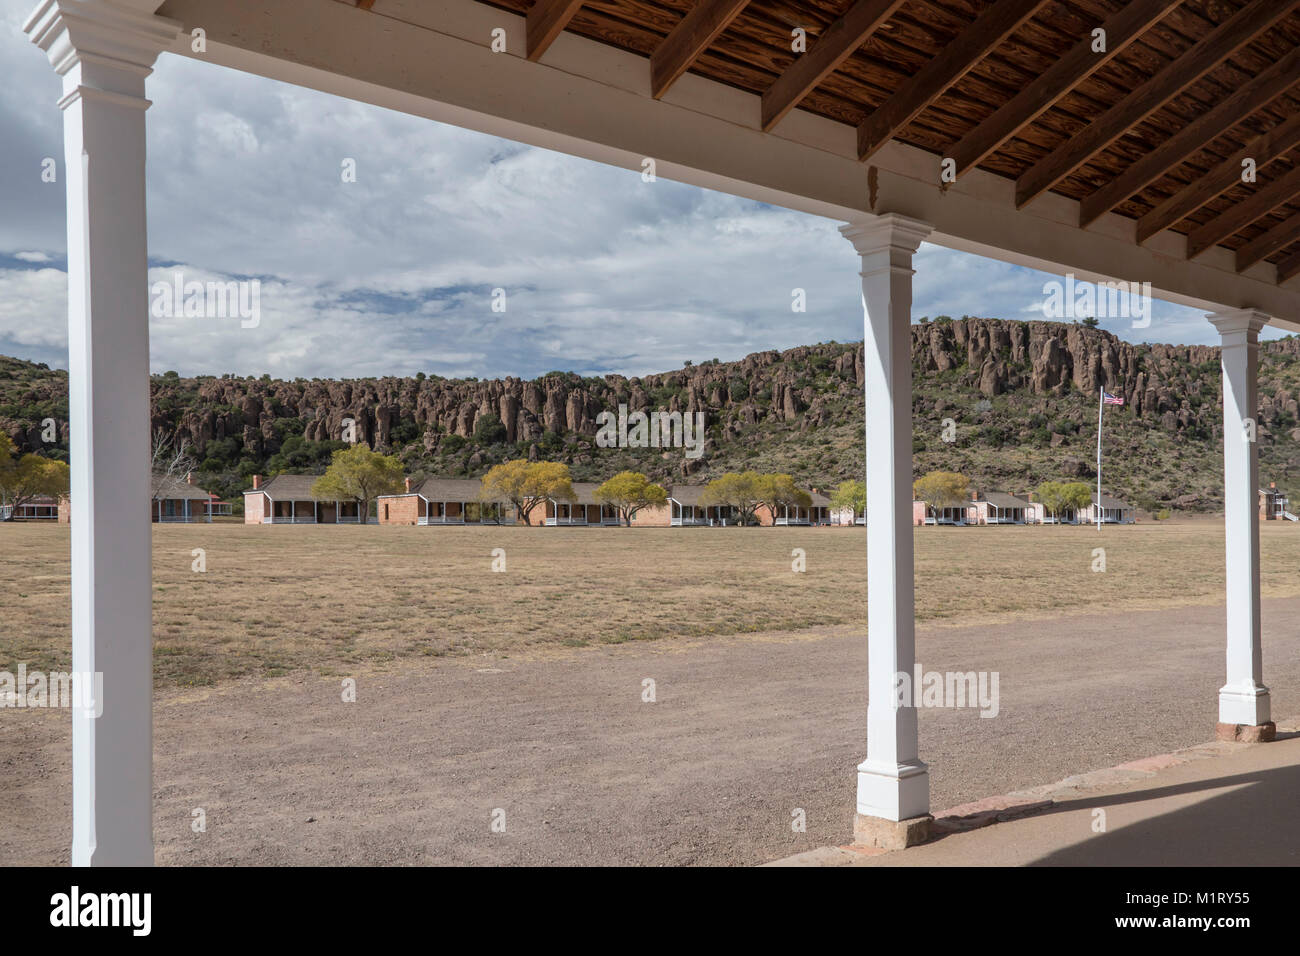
{"x":1274,"y":505}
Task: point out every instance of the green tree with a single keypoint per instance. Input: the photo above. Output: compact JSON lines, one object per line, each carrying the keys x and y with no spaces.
{"x":629,"y":492}
{"x":361,"y":475}
{"x":941,"y":489}
{"x":526,"y":484}
{"x":1052,"y":495}
{"x":488,"y":429}
{"x":1076,"y":495}
{"x":739,"y":490}
{"x":30,"y":476}
{"x":850,"y":496}
{"x":778,"y":492}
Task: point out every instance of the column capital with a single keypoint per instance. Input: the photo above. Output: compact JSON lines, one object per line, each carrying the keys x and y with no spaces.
{"x":1232,"y":321}
{"x":117,"y":38}
{"x":888,"y":231}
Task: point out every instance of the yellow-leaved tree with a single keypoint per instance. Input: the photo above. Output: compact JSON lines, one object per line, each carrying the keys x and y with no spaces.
{"x":779,"y":492}
{"x":361,"y":475}
{"x":26,"y":477}
{"x":941,"y":489}
{"x":739,"y":490}
{"x":526,"y":484}
{"x":850,"y":496}
{"x":630,"y":491}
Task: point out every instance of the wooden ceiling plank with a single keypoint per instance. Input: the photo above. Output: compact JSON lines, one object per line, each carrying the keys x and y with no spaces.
{"x":840,"y":41}
{"x":1233,"y":220}
{"x":1215,"y":47}
{"x":1249,"y":97}
{"x":1263,"y":149}
{"x":1122,"y":28}
{"x":546,"y":21}
{"x":953,"y":62}
{"x":1288,"y":268}
{"x":691,"y":37}
{"x":1275,"y":240}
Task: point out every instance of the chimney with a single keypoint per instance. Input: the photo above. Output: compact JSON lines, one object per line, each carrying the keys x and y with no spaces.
{"x":408,"y":486}
{"x":189,"y":477}
{"x":257,"y":482}
{"x":1272,"y":484}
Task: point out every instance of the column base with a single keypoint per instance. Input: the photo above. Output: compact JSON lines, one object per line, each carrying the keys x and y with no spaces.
{"x":891,"y":834}
{"x":1246,"y":733}
{"x":1245,"y":703}
{"x":893,"y":791}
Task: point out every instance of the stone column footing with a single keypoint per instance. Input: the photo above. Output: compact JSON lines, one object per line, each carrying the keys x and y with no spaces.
{"x":1246,"y":733}
{"x":891,"y":834}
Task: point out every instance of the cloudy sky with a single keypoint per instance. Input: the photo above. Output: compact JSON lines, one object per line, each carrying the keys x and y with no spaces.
{"x":394,"y":273}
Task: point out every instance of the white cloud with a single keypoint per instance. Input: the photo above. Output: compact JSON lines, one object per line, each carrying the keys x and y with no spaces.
{"x":393,"y":273}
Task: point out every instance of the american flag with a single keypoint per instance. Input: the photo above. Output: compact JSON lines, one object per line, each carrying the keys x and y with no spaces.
{"x":1110,"y":399}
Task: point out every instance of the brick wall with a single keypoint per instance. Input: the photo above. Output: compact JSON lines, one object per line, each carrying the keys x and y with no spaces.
{"x":399,"y":509}
{"x":254,"y":508}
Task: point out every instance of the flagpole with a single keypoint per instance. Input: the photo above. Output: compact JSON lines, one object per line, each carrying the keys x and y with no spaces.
{"x":1101,"y":405}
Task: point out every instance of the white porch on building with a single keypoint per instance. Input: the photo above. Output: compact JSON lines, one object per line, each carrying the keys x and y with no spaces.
{"x":565,"y":89}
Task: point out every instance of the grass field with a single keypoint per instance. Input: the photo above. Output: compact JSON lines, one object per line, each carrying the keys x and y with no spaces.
{"x":275,"y":599}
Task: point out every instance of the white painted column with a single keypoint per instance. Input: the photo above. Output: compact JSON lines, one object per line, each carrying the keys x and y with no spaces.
{"x":104,"y":53}
{"x":1243,"y":700}
{"x":893,"y":783}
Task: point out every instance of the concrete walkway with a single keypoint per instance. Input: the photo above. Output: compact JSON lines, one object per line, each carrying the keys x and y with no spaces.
{"x":1215,"y":804}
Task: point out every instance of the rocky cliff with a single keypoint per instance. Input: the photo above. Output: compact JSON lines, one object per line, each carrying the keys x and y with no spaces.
{"x":1021,"y":398}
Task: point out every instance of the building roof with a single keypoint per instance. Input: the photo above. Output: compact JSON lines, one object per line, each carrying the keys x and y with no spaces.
{"x":449,"y":489}
{"x":288,"y":488}
{"x":819,"y":500}
{"x":1108,"y":502}
{"x":686,"y":494}
{"x":169,"y":487}
{"x":586,"y":492}
{"x":1000,"y":499}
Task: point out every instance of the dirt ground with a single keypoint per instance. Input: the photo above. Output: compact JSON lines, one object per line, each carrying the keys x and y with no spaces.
{"x":275,"y":600}
{"x":560,"y":745}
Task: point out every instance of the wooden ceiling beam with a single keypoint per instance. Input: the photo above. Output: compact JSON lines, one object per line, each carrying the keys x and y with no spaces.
{"x":1211,"y":50}
{"x":1246,"y":99}
{"x":1288,"y":268}
{"x":1041,"y":94}
{"x":1261,"y":150}
{"x":840,"y":41}
{"x":1259,"y":204}
{"x":691,"y":37}
{"x":1275,"y":240}
{"x":953,"y":62}
{"x":546,"y":21}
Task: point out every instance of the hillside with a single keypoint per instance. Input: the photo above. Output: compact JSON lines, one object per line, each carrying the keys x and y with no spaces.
{"x":1023,"y":397}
